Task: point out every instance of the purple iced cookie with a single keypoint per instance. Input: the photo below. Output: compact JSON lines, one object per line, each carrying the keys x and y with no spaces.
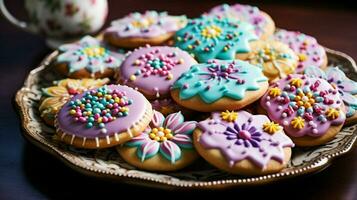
{"x":310,"y":53}
{"x":152,"y":70}
{"x":306,"y":107}
{"x":103,"y":117}
{"x":242,"y":143}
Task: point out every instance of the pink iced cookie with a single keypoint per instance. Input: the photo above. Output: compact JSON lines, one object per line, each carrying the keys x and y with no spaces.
{"x":310,"y":53}
{"x":309,"y":109}
{"x":152,"y":70}
{"x":242,"y":143}
{"x":263,"y":24}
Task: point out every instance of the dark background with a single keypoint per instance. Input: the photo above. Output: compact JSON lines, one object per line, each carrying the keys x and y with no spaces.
{"x":26,"y":172}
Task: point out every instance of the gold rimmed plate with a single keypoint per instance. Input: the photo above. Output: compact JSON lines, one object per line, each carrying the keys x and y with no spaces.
{"x":107,"y":163}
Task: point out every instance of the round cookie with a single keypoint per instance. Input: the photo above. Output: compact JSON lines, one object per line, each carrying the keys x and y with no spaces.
{"x":305,"y":46}
{"x":152,"y":70}
{"x":210,"y":37}
{"x":219,"y":85}
{"x":242,"y":143}
{"x":345,"y":86}
{"x":55,"y":96}
{"x":138,"y":29}
{"x":87,"y":58}
{"x":276,"y":59}
{"x":309,"y":109}
{"x":103,"y":117}
{"x":263,"y":24}
{"x":166,"y":144}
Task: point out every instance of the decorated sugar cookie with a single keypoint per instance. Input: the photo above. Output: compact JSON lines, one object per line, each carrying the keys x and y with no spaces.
{"x":276,"y":59}
{"x":263,"y":24}
{"x":55,"y":96}
{"x":219,"y":85}
{"x":138,"y":29}
{"x":103,"y":117}
{"x":310,"y":109}
{"x":215,"y":38}
{"x":345,"y":86}
{"x":166,"y":144}
{"x":305,"y":46}
{"x":87,"y":58}
{"x":152,"y":70}
{"x":242,"y":143}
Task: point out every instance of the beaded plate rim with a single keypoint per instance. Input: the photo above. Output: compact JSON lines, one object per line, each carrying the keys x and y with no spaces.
{"x":71,"y":161}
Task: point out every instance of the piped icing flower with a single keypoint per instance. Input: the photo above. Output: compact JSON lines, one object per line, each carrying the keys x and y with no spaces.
{"x":216,"y":79}
{"x":56,"y":96}
{"x":252,"y":137}
{"x":337,"y":78}
{"x":305,"y":106}
{"x":146,"y":25}
{"x":250,"y":14}
{"x":106,"y":112}
{"x":89,"y":54}
{"x":305,"y":46}
{"x":276,"y":59}
{"x":215,"y":37}
{"x":154,"y":69}
{"x":165,"y":136}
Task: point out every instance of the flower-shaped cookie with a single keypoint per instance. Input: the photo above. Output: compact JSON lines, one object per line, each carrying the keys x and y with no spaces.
{"x":56,"y":96}
{"x":215,"y":37}
{"x":305,"y":46}
{"x":87,"y":58}
{"x":240,"y":136}
{"x":306,"y":107}
{"x":164,"y":136}
{"x":262,"y":22}
{"x":345,"y":86}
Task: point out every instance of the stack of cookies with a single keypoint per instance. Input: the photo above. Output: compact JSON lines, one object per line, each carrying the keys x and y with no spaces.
{"x":227,"y":86}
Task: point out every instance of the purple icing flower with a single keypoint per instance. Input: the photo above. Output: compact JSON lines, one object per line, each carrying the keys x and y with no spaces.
{"x":165,"y":136}
{"x":244,"y":138}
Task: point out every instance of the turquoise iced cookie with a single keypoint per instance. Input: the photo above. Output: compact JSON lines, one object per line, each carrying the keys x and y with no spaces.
{"x":215,"y":38}
{"x":216,"y":79}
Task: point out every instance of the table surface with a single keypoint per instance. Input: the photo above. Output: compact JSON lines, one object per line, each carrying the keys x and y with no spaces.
{"x":26,"y":172}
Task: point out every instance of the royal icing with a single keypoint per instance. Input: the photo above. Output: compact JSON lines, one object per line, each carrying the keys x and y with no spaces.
{"x":337,"y":78}
{"x":241,"y":135}
{"x":246,"y":13}
{"x":304,"y":106}
{"x":102,"y":112}
{"x":165,"y":136}
{"x":147,"y":25}
{"x":215,"y":37}
{"x":56,"y":96}
{"x":276,"y":59}
{"x":216,"y":79}
{"x":305,"y":46}
{"x":154,"y":69}
{"x":89,"y":54}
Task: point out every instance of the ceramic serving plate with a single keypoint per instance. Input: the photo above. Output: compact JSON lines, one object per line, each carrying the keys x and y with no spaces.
{"x":107,"y":163}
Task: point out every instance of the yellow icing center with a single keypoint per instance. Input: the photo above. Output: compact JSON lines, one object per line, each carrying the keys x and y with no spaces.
{"x":275,"y":91}
{"x":144,"y":23}
{"x":229,"y":116}
{"x":306,"y":100}
{"x":160,"y":134}
{"x":94,"y":51}
{"x":211,"y":31}
{"x":271,"y":127}
{"x":298,"y":123}
{"x":332,"y":113}
{"x":297,"y":82}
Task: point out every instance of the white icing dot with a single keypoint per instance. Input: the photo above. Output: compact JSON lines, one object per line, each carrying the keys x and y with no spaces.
{"x":311,"y":123}
{"x":314,"y":131}
{"x":280,"y":107}
{"x":284,"y":115}
{"x":103,"y":130}
{"x":268,"y":97}
{"x":268,"y":103}
{"x":285,"y":123}
{"x":160,"y":134}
